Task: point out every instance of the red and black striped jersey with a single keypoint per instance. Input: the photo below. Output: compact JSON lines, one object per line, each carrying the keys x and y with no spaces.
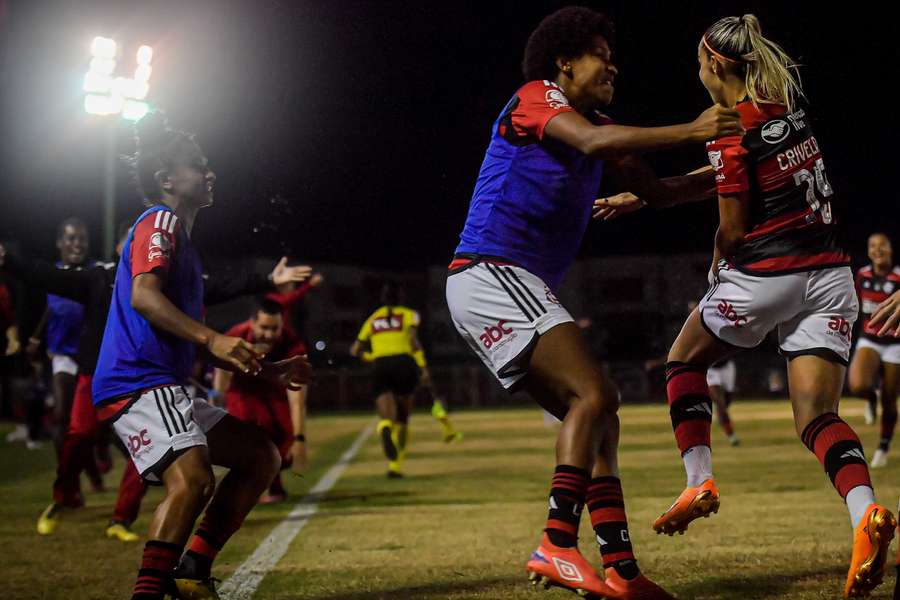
{"x":777,"y":166}
{"x":872,"y":290}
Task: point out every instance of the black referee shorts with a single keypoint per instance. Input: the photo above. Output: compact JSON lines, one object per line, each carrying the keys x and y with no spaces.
{"x":398,"y":374}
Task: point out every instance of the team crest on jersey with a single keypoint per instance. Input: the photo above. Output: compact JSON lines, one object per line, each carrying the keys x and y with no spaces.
{"x":159,"y":246}
{"x":775,"y":131}
{"x":888,"y":287}
{"x":555,"y":98}
{"x":715,"y":159}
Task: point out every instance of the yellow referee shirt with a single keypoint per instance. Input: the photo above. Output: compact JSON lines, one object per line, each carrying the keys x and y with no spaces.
{"x":387,"y":331}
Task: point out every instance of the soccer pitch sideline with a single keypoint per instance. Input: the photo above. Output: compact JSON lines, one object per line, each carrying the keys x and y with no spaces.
{"x":465,"y":518}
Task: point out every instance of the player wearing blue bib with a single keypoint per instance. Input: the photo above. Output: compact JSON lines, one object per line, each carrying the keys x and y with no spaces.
{"x":532,"y":202}
{"x":154,"y":324}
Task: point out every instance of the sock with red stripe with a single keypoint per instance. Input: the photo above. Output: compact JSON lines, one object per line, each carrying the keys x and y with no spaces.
{"x":208,"y":540}
{"x":888,"y":424}
{"x":690,"y":408}
{"x":607,"y":507}
{"x":154,"y":579}
{"x":839,"y":450}
{"x":567,"y":493}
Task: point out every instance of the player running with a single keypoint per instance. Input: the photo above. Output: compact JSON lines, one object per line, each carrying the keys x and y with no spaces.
{"x":147,"y":353}
{"x":876,"y":354}
{"x":777,"y":264}
{"x":530,"y":208}
{"x":389,"y":338}
{"x":280,"y":413}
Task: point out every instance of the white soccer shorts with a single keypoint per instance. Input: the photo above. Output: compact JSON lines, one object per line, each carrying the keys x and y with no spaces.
{"x":501,"y":311}
{"x":60,"y":363}
{"x":160,"y":424}
{"x":889,"y":353}
{"x":814,"y":311}
{"x":722,"y":376}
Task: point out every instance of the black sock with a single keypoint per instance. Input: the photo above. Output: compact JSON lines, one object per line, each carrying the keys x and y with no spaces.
{"x":194,"y":566}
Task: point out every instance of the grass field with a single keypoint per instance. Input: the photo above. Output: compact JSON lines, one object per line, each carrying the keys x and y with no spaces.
{"x":463,"y":521}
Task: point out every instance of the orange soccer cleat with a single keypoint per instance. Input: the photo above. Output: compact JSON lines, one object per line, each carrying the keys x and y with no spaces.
{"x":693,"y":503}
{"x":871,"y":539}
{"x":639,"y":588}
{"x":566,"y":568}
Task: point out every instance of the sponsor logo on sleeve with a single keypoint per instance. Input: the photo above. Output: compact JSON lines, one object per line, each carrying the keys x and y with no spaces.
{"x":775,"y":131}
{"x":556,"y":99}
{"x":160,"y":246}
{"x":715,"y":159}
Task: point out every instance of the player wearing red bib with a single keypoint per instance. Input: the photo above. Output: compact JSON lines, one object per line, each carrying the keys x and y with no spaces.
{"x":279,"y":412}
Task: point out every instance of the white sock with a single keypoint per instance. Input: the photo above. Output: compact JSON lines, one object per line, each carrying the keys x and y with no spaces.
{"x":698,"y":465}
{"x":858,"y":500}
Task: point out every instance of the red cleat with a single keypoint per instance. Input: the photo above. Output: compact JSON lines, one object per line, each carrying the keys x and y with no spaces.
{"x":639,"y":588}
{"x":566,"y":568}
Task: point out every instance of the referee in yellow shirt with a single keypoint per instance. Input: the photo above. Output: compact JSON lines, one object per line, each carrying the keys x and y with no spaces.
{"x":389,"y":339}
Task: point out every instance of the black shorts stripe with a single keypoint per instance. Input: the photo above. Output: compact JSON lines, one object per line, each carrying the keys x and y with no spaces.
{"x":502,"y":283}
{"x":169,"y":410}
{"x":525,"y":287}
{"x":161,"y":413}
{"x":171,"y":393}
{"x":512,"y":284}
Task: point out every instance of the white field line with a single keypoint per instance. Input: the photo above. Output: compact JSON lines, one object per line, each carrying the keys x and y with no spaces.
{"x":243,"y":583}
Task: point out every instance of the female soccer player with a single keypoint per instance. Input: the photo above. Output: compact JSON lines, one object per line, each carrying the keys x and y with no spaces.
{"x":531,"y":205}
{"x":877,"y":354}
{"x":777,"y":263}
{"x":146,"y":356}
{"x":389,"y":338}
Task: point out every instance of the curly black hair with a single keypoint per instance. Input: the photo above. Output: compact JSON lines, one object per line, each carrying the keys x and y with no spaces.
{"x":569,"y":32}
{"x":159,"y":148}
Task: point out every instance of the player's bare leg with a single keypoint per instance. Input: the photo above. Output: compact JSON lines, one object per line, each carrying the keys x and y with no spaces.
{"x":567,"y":382}
{"x":890,"y":380}
{"x":720,"y":398}
{"x":690,"y":408}
{"x":252,"y":460}
{"x":386,"y":408}
{"x":862,"y":375}
{"x":815,"y":387}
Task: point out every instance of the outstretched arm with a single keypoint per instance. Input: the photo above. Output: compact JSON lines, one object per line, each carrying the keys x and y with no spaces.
{"x":610,"y":141}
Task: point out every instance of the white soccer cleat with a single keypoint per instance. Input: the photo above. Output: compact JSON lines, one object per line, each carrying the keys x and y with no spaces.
{"x":879,"y":460}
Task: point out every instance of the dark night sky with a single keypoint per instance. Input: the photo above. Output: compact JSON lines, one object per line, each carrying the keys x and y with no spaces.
{"x":367,"y":121}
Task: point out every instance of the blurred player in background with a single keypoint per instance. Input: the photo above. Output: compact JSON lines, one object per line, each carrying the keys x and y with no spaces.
{"x":877,"y":356}
{"x":721,"y":378}
{"x":279,"y":412}
{"x":147,"y":354}
{"x":884,"y":322}
{"x":531,"y":205}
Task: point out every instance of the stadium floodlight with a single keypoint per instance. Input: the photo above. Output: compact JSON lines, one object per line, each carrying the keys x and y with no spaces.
{"x":109,"y":95}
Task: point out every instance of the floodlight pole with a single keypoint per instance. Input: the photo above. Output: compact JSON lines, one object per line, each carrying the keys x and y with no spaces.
{"x":109,"y":190}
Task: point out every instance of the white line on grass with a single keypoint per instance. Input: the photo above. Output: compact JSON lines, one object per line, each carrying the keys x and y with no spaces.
{"x":243,"y":583}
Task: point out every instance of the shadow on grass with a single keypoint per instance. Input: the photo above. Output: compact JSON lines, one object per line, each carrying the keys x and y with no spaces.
{"x":428,"y":590}
{"x":759,"y":587}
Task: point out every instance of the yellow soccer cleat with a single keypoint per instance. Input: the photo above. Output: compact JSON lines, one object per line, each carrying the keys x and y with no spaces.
{"x":871,"y":539}
{"x":452,"y":436}
{"x":120,"y":531}
{"x":693,"y":503}
{"x":394,"y":470}
{"x":197,"y":589}
{"x":49,"y":519}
